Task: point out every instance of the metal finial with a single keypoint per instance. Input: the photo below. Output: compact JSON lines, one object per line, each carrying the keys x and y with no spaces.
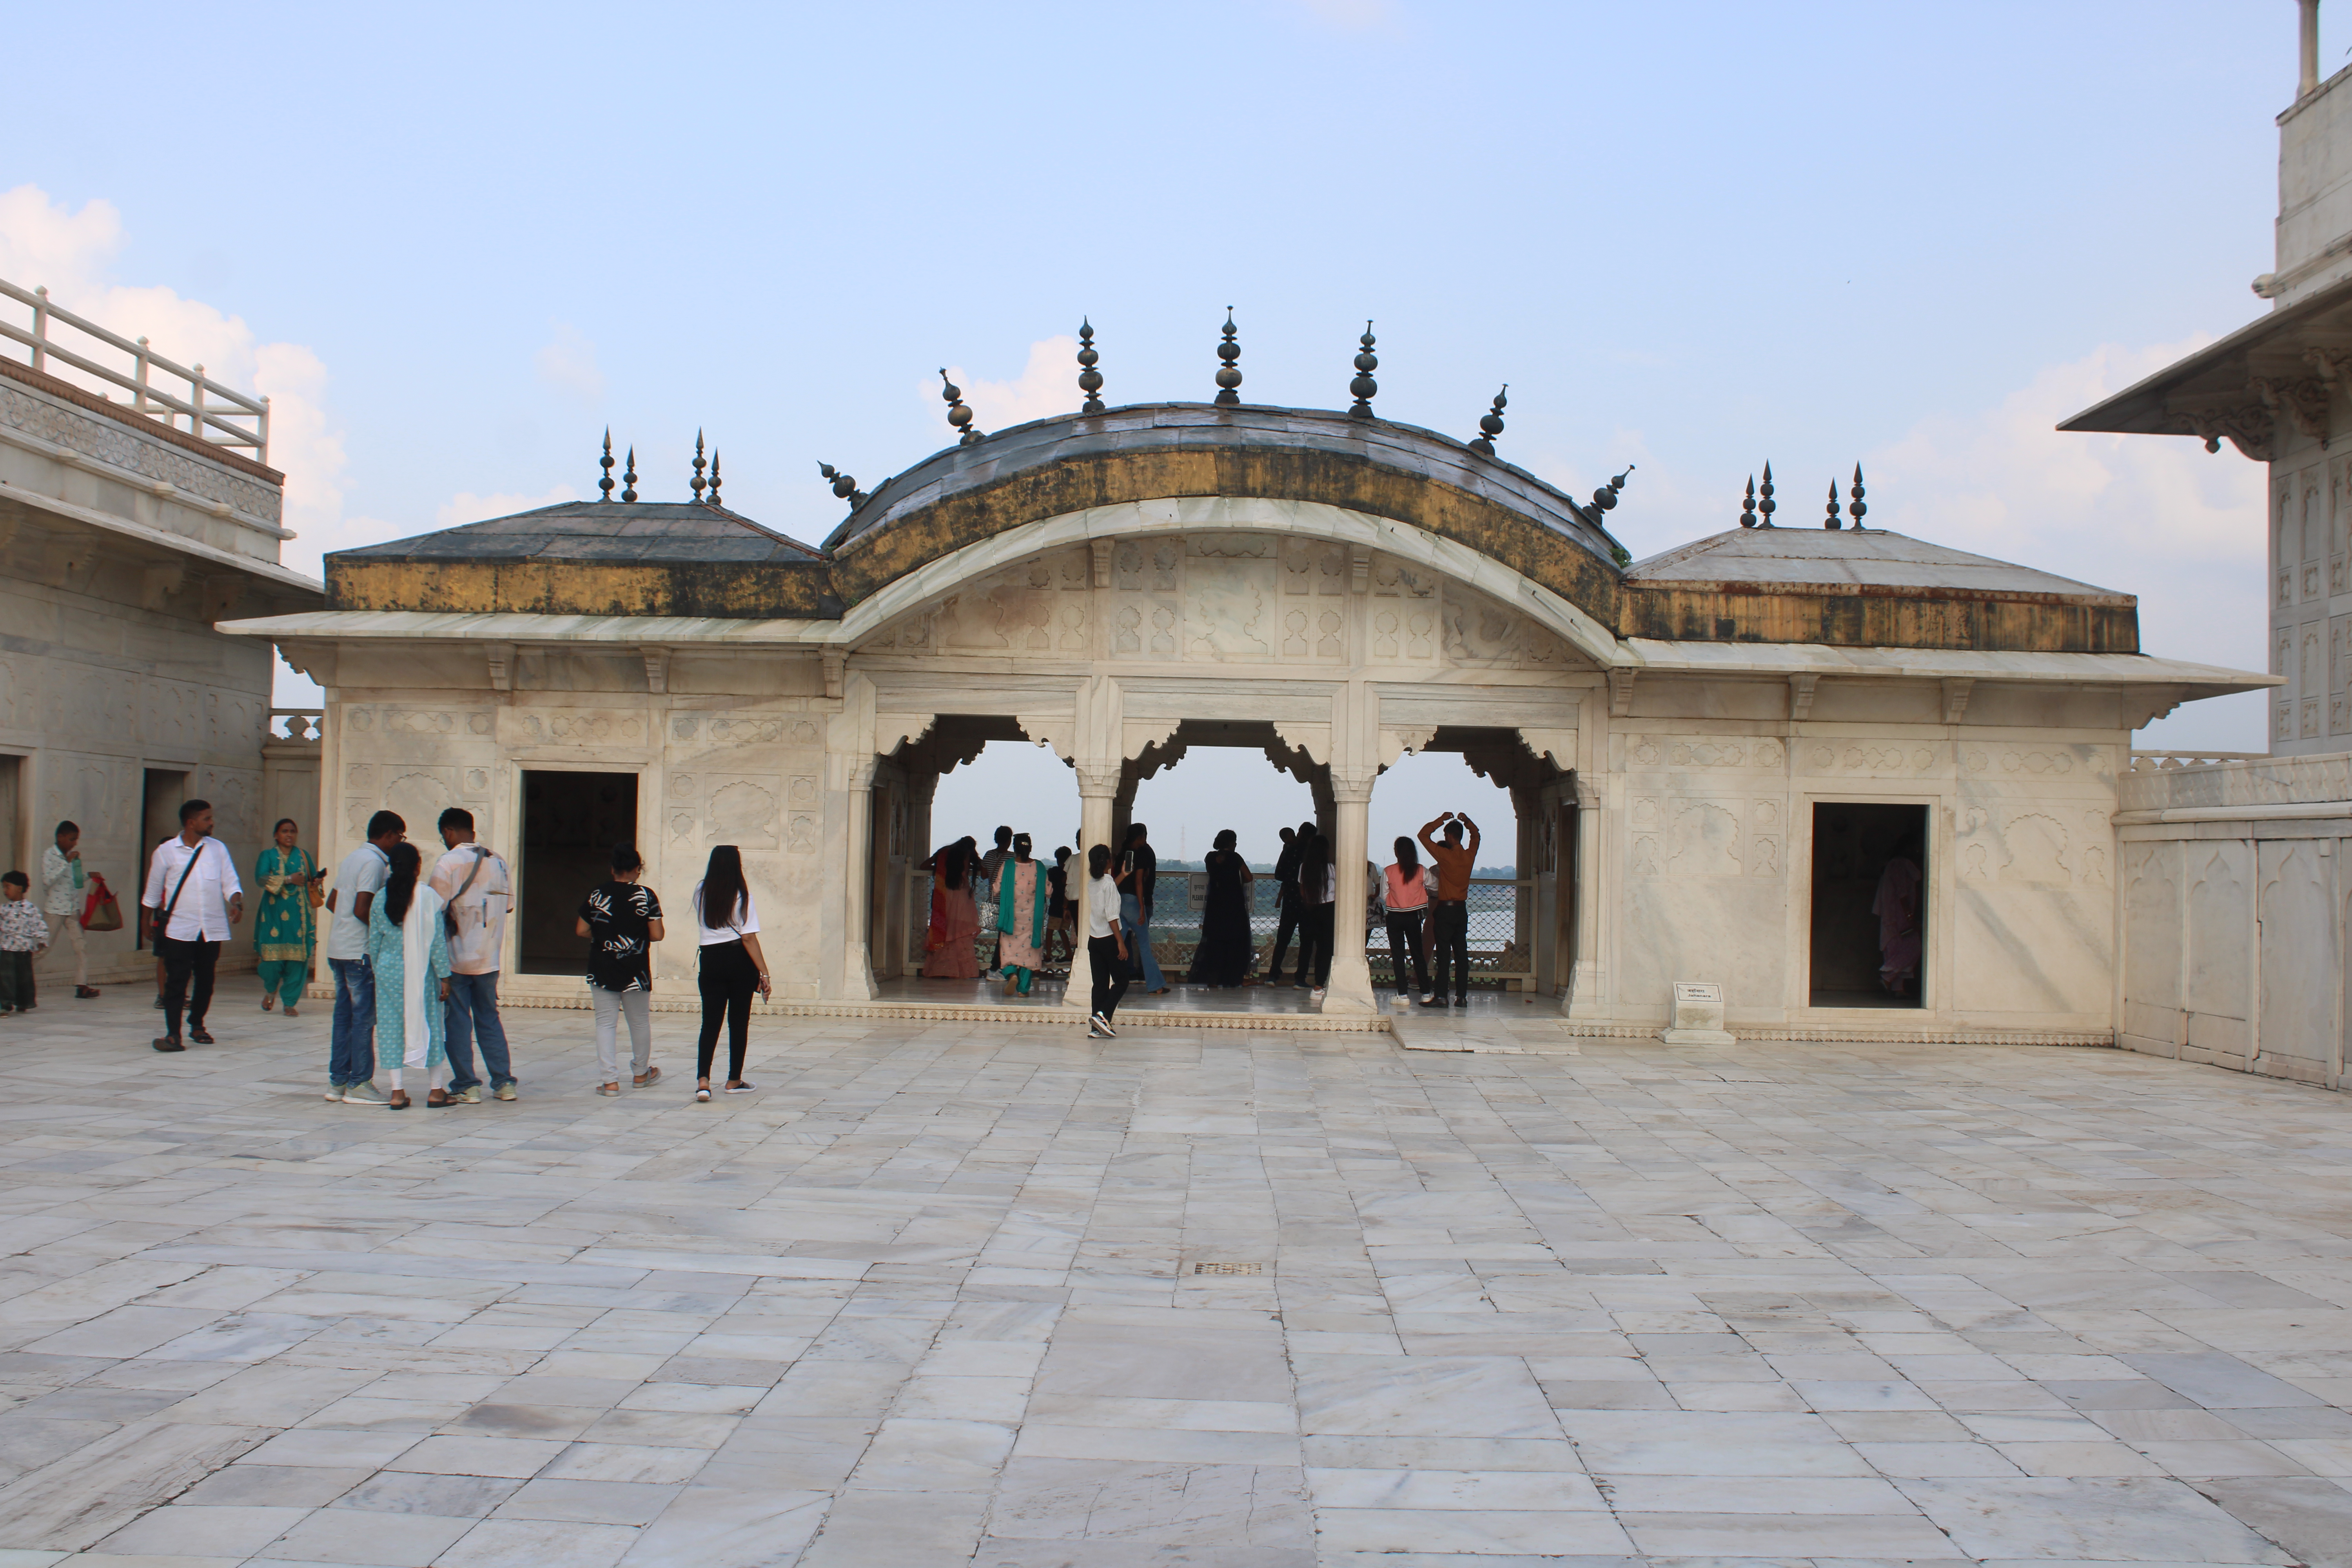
{"x":629,"y":479}
{"x":1364,"y":387}
{"x":1090,"y":380}
{"x":1228,"y":378}
{"x":714,"y":476}
{"x":698,"y":468}
{"x":1857,"y":510}
{"x":605,"y":462}
{"x":1490,"y":425}
{"x":1832,"y":519}
{"x":1605,"y":498}
{"x":843,"y":486}
{"x":1766,"y":506}
{"x":1747,"y":509}
{"x":958,"y":414}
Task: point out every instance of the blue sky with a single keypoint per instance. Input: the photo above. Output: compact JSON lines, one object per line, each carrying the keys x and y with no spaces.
{"x":457,"y":244}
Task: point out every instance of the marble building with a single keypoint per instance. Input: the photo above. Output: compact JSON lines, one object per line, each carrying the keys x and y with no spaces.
{"x":2234,"y":890}
{"x":137,"y":508}
{"x":1711,"y":753}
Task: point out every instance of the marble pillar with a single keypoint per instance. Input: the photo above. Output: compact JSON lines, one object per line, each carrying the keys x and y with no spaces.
{"x":858,"y":958}
{"x":1351,"y":990}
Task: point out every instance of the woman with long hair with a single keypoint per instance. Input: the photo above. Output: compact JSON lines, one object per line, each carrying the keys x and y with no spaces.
{"x":408,"y":952}
{"x":622,"y":920}
{"x":1021,"y":893}
{"x":733,"y":967}
{"x":1319,"y":884}
{"x":950,"y":950}
{"x":284,"y":933}
{"x":1405,"y":899}
{"x":1106,"y":943}
{"x":1226,"y":948}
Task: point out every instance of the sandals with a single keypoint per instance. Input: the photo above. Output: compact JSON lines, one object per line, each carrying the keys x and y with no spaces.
{"x":648,"y":1079}
{"x":268,"y":1000}
{"x":739,"y":1087}
{"x":440,"y":1099}
{"x":398,"y":1100}
{"x":702,"y":1094}
{"x":290,"y":1012}
{"x":610,"y":1090}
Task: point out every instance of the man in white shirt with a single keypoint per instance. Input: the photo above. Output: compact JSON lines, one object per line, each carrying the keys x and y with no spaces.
{"x":62,"y":891}
{"x":193,"y":898}
{"x":475,"y":884}
{"x":350,"y":1040}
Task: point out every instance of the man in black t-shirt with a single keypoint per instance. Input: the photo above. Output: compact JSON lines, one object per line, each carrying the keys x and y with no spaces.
{"x":1139,"y":876}
{"x":1286,"y":882}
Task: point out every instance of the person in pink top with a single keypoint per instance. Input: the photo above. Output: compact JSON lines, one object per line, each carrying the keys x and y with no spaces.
{"x":1405,"y":899}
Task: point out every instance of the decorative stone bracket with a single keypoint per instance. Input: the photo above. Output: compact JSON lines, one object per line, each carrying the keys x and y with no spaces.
{"x":656,"y":669}
{"x":1800,"y":697}
{"x":502,"y":657}
{"x":1957,"y":692}
{"x":1620,"y":692}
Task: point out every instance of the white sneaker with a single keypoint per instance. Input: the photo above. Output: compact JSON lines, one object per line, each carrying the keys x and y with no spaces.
{"x":1316,"y":994}
{"x":334,"y":1093}
{"x":363,"y":1094}
{"x":1103,"y":1024}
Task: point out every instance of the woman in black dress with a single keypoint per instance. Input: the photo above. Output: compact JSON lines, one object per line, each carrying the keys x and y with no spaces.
{"x":1222,"y":956}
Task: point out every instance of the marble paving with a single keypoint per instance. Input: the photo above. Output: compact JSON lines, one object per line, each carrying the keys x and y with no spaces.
{"x":957,"y":1293}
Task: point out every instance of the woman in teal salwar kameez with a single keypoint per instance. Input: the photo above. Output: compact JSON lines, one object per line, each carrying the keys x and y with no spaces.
{"x":408,"y":951}
{"x":284,"y":933}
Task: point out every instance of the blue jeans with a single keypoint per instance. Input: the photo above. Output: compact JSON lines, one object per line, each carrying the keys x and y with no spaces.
{"x":350,"y":1041}
{"x":473,"y":1009}
{"x":1140,"y":958}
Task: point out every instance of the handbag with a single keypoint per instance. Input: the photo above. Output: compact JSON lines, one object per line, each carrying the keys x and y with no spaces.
{"x":99,"y":911}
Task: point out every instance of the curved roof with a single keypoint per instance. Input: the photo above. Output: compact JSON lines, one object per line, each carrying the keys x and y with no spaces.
{"x":1157,"y":450}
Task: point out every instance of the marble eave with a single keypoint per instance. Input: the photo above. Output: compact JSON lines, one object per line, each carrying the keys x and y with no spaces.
{"x":530,"y":630}
{"x":196,"y":550}
{"x":1654,"y":657}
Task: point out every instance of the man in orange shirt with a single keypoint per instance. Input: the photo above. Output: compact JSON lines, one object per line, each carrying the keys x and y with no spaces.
{"x":1450,"y":910}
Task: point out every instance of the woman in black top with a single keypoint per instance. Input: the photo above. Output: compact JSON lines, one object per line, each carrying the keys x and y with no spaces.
{"x":1315,"y":913}
{"x":622,"y":920}
{"x":1223,"y":957}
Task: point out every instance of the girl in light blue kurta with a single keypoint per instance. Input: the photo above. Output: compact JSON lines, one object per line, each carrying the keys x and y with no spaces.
{"x":404,"y":920}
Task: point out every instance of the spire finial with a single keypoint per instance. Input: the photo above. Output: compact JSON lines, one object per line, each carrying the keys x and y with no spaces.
{"x":605,"y":462}
{"x":1490,"y":425}
{"x":1364,"y":387}
{"x":1766,"y":505}
{"x":1090,"y":380}
{"x":714,"y":476}
{"x":1857,"y":510}
{"x":1832,"y":522}
{"x":1605,"y":498}
{"x":696,"y":486}
{"x":958,"y":414}
{"x":1747,"y":509}
{"x":1228,"y":378}
{"x":629,"y":478}
{"x":843,"y":486}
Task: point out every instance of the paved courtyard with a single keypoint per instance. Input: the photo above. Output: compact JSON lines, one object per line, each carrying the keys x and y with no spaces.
{"x":949,"y":1293}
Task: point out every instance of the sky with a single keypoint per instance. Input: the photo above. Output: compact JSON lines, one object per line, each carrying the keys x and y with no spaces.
{"x":454,"y":245}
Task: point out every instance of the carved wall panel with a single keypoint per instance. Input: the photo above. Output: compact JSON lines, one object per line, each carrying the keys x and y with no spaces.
{"x":2300,"y":952}
{"x":744,"y":810}
{"x":2220,"y":930}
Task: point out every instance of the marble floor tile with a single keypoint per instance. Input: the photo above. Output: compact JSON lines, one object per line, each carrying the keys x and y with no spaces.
{"x":926,"y":1299}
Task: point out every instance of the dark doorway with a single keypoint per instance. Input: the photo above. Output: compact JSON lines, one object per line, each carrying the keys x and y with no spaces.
{"x":159,"y":818}
{"x":1870,"y":905}
{"x":570,"y":823}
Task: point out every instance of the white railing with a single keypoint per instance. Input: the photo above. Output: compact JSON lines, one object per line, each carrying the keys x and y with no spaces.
{"x":219,"y":415}
{"x":297,"y":723}
{"x":2149,"y":761}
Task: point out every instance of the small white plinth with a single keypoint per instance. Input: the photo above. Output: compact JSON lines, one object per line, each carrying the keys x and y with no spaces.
{"x":1697,"y":1017}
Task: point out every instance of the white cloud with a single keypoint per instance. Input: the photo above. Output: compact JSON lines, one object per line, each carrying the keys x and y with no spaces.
{"x":43,"y":244}
{"x":466,"y":507}
{"x":2156,"y":516}
{"x":568,"y":364}
{"x":1047,"y":387}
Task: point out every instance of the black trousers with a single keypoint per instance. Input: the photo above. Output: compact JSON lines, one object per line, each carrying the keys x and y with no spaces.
{"x":1285,"y":909}
{"x":181,"y":961}
{"x":728,"y":981}
{"x":1451,"y":919}
{"x":1110,"y":973}
{"x":1315,"y":928}
{"x":1404,"y":937}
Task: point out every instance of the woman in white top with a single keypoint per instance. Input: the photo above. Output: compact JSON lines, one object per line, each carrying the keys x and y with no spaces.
{"x":733,"y":967}
{"x":1405,"y":899}
{"x":1106,"y":943}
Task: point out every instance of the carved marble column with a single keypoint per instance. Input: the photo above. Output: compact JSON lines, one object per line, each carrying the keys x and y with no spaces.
{"x":1097,"y":794}
{"x":1585,"y":995}
{"x":857,"y":958}
{"x":1351,"y":978}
